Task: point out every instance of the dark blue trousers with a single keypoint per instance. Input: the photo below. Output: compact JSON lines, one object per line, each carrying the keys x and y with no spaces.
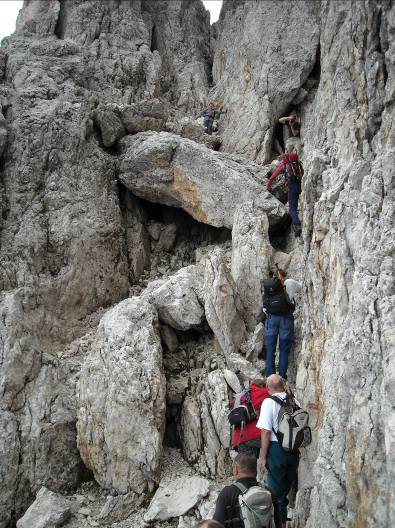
{"x":293,"y":199}
{"x":278,"y":327}
{"x":282,"y":472}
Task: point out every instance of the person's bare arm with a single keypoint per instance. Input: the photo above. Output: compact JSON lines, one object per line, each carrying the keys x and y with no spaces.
{"x":265,"y":441}
{"x":285,"y":120}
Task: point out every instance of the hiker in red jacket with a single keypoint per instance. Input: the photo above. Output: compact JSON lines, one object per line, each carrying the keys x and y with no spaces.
{"x":249,"y":440}
{"x":292,"y":169}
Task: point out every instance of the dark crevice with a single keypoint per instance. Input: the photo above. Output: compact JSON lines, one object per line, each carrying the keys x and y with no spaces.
{"x":316,"y":71}
{"x":191,"y":354}
{"x":60,"y":27}
{"x":154,"y":39}
{"x":186,"y":225}
{"x":279,"y":235}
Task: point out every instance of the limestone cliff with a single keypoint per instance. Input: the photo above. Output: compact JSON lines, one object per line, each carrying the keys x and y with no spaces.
{"x":132,"y":252}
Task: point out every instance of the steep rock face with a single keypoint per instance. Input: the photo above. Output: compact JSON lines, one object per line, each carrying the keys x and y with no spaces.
{"x":345,"y":367}
{"x":264,"y":52}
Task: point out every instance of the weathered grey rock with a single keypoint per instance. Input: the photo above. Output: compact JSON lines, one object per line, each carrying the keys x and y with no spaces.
{"x":169,"y":337}
{"x":110,"y":125}
{"x":49,"y":510}
{"x":282,"y":260}
{"x":165,"y":168}
{"x":64,"y":246}
{"x":3,"y":133}
{"x":136,"y":236}
{"x":176,"y":299}
{"x":345,"y":368}
{"x":176,"y":389}
{"x":222,"y":305}
{"x":205,"y":428}
{"x":254,"y":345}
{"x":144,"y":115}
{"x":236,"y":362}
{"x":167,"y":238}
{"x":256,"y":88}
{"x":121,"y":399}
{"x":176,"y":498}
{"x":251,"y":255}
{"x":119,"y":507}
{"x":154,"y":229}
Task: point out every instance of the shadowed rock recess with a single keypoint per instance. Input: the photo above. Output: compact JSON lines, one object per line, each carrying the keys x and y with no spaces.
{"x":134,"y":247}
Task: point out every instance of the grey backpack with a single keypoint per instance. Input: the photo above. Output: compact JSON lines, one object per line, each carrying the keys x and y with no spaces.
{"x":256,"y":506}
{"x":293,"y":425}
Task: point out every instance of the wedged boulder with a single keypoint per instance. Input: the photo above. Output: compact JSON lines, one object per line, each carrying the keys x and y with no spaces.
{"x":176,"y":299}
{"x":222,"y":304}
{"x":121,"y":399}
{"x":251,"y":254}
{"x":177,"y":498}
{"x":144,"y":115}
{"x":165,"y":168}
{"x":110,"y":125}
{"x":49,"y":510}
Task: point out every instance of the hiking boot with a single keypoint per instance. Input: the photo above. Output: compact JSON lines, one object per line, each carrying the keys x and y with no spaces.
{"x":297,"y":229}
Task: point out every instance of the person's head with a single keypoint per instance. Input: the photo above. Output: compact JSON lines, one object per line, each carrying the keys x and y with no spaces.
{"x":211,"y":104}
{"x":275,"y":383}
{"x":258,"y":382}
{"x":281,"y":275}
{"x":208,"y":523}
{"x":244,"y":465}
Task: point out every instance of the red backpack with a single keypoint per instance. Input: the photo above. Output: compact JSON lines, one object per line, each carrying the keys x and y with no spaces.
{"x":294,"y":169}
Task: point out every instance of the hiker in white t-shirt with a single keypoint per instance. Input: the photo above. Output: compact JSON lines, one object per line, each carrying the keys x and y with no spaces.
{"x":282,"y":466}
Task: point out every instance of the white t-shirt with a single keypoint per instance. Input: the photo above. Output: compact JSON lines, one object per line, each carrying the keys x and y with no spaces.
{"x":292,"y":287}
{"x":268,"y":417}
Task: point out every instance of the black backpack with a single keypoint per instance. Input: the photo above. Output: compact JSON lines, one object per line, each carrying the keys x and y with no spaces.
{"x":240,"y":410}
{"x":275,"y":298}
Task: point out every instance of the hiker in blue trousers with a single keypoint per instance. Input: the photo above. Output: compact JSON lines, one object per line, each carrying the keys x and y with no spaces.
{"x":279,"y":324}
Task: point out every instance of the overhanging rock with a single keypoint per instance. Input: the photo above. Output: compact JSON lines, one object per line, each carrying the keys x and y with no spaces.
{"x":165,"y":168}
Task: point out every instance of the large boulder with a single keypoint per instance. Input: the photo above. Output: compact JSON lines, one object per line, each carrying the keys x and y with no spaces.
{"x":49,"y":510}
{"x":176,"y":498}
{"x":165,"y":168}
{"x":121,"y":399}
{"x":176,"y":299}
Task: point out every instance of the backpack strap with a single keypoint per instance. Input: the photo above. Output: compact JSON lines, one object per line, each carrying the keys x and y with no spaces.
{"x":278,"y":400}
{"x":240,"y":486}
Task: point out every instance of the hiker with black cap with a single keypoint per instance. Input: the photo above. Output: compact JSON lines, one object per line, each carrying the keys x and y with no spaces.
{"x":292,"y":170}
{"x":244,"y":499}
{"x":279,"y":324}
